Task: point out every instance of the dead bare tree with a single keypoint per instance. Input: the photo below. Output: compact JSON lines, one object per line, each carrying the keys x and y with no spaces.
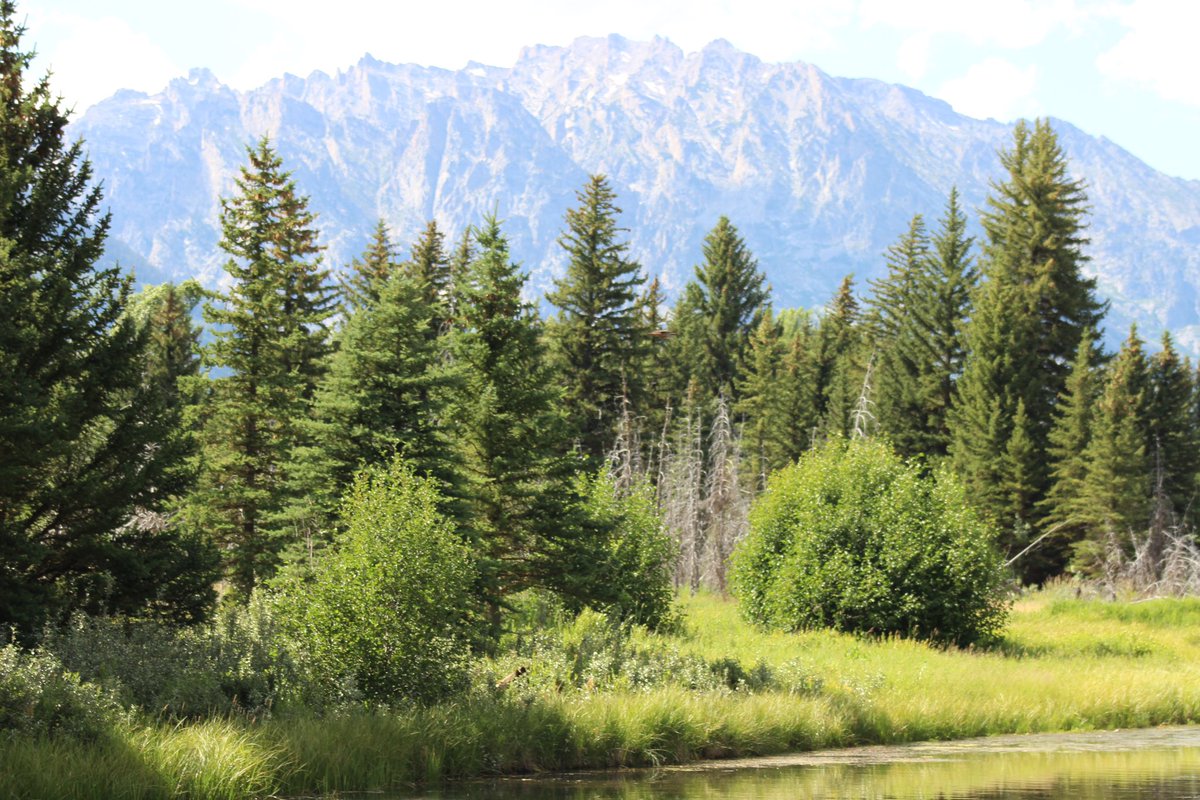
{"x":726,"y":505}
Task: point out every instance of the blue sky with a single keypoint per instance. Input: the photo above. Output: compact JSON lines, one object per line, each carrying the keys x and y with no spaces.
{"x":1125,"y":69}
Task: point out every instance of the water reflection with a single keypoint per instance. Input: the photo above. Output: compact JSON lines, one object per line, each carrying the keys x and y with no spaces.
{"x":1161,"y":763}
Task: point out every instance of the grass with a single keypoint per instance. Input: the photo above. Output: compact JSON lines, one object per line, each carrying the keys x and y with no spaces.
{"x":1063,"y":665}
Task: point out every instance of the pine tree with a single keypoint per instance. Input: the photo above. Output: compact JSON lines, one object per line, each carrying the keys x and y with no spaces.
{"x":1115,"y":498}
{"x":270,"y":335}
{"x":899,"y":342}
{"x":1029,"y":315}
{"x":1173,"y":445}
{"x":840,"y":362}
{"x":761,"y":406}
{"x":386,"y":394}
{"x":79,"y":422}
{"x":718,"y":311}
{"x":799,"y":417}
{"x":370,"y":272}
{"x":1064,"y":505}
{"x":522,"y":509}
{"x":430,"y":268}
{"x":596,"y":337}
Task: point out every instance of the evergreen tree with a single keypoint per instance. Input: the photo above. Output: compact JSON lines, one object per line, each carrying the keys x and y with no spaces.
{"x":1029,"y":315}
{"x":653,"y":365}
{"x":596,"y":338}
{"x":386,"y":393}
{"x":1173,"y":445}
{"x":718,"y":311}
{"x":840,"y":362}
{"x":1116,"y":490}
{"x":761,"y":406}
{"x":899,"y":342}
{"x":1064,"y":505}
{"x":430,"y":269}
{"x":270,"y":335}
{"x":370,"y":272}
{"x":799,"y":420}
{"x":522,"y":510}
{"x":460,"y":268}
{"x":80,"y":425}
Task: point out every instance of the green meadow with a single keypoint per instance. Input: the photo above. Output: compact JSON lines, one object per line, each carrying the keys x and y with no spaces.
{"x":1063,"y":664}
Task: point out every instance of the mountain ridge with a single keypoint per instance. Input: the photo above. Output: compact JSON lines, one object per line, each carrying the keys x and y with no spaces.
{"x":819,"y":173}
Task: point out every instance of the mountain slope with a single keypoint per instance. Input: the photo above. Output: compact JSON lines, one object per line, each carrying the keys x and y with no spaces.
{"x":819,"y":173}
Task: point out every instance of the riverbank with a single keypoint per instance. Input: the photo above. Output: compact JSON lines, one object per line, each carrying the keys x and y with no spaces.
{"x":1063,"y":665}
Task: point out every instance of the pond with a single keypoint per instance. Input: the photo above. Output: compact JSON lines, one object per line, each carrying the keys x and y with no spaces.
{"x":1159,"y":763}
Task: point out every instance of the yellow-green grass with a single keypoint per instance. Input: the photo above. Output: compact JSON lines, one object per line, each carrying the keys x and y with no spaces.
{"x":1063,"y":665}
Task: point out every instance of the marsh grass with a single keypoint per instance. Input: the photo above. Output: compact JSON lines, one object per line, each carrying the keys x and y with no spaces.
{"x":1063,"y":664}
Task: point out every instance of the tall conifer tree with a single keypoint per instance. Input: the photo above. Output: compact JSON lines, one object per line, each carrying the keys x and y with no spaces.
{"x":270,"y":335}
{"x":1116,"y":489}
{"x":840,"y":362}
{"x":597,"y":336}
{"x":522,"y":509}
{"x":718,"y":311}
{"x":1065,"y":506}
{"x":1174,"y":443}
{"x":80,"y":424}
{"x":1029,"y":315}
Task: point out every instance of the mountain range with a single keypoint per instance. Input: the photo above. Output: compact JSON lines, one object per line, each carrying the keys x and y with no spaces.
{"x":818,"y":173}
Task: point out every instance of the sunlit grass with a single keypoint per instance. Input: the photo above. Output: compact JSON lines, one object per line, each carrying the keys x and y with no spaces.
{"x":1064,"y":664}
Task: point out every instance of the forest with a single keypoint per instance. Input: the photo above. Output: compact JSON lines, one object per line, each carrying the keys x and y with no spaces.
{"x":396,"y":481}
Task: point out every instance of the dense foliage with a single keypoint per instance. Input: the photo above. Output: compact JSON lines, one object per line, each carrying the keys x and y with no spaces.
{"x":854,"y":538}
{"x":384,"y":609}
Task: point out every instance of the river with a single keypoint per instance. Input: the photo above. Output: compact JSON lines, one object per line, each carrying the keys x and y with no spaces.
{"x":1162,"y":763}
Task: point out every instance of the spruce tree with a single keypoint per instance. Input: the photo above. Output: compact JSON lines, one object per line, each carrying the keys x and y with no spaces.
{"x":940,"y":309}
{"x":385,"y":394}
{"x":522,"y":510}
{"x":1064,"y":506}
{"x":799,"y":419}
{"x":1030,"y":312}
{"x":761,"y":403}
{"x":718,"y":311}
{"x":370,"y":272}
{"x":1115,"y":498}
{"x":269,"y":338}
{"x":1174,"y":444}
{"x":429,"y":266}
{"x":840,"y":361}
{"x":898,"y":341}
{"x":596,"y":337}
{"x":80,"y":424}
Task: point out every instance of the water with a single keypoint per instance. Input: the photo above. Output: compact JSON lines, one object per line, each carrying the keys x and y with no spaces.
{"x":1162,"y":763}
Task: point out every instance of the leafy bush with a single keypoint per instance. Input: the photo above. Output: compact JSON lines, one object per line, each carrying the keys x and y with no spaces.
{"x":592,"y":651}
{"x":238,"y":662}
{"x":852,"y":537}
{"x":39,"y":698}
{"x":629,"y":574}
{"x":384,"y":607}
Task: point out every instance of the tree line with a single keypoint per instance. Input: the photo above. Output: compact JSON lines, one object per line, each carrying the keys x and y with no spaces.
{"x":143,"y":463}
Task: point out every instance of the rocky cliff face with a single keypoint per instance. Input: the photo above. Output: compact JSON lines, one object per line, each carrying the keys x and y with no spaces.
{"x":819,"y":173}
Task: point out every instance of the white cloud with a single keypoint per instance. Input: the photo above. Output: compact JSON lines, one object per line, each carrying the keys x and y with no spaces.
{"x":1158,"y":50}
{"x":92,"y":57}
{"x":913,"y":55}
{"x":994,"y":88}
{"x":1013,"y":24}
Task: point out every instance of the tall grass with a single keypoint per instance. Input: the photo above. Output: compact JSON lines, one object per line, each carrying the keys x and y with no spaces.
{"x":1064,"y":665}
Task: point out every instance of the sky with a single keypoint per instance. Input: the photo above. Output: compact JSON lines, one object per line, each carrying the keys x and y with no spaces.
{"x":1128,"y":70}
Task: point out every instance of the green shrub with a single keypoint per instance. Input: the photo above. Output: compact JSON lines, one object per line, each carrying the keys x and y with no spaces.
{"x":854,"y":538}
{"x":237,"y":663}
{"x":384,"y":607}
{"x":629,"y":574}
{"x":40,"y":698}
